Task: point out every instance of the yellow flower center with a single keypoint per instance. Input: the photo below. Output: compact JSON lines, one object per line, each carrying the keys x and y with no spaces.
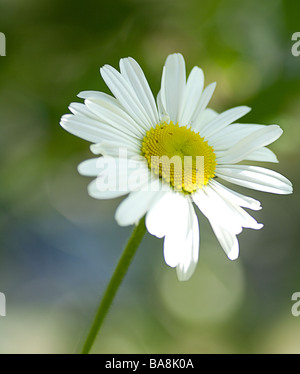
{"x":179,"y":156}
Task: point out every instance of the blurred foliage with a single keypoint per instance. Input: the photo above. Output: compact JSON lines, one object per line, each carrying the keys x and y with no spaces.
{"x":59,"y":246}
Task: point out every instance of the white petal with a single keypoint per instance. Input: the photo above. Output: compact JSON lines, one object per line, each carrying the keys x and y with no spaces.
{"x":217,"y":209}
{"x":173,"y":216}
{"x":125,"y":94}
{"x":136,"y":78}
{"x":193,"y":90}
{"x":89,"y":168}
{"x":220,"y":216}
{"x":115,"y":149}
{"x":163,"y":115}
{"x":199,"y":119}
{"x":160,"y":218}
{"x":173,"y":85}
{"x":227,"y":240}
{"x":207,"y":116}
{"x":243,"y":218}
{"x":81,"y":110}
{"x":95,"y":131}
{"x":190,"y":250}
{"x":230,"y":135}
{"x":105,"y":194}
{"x":250,"y":143}
{"x":176,"y":233}
{"x":99,"y":95}
{"x":115,"y":177}
{"x":81,"y":128}
{"x":235,"y":197}
{"x":255,"y":177}
{"x":114,"y":116}
{"x":135,"y":206}
{"x":224,"y":119}
{"x":263,"y":154}
{"x":246,"y":219}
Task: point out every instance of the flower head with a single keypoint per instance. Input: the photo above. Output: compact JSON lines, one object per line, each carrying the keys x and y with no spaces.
{"x":171,"y":154}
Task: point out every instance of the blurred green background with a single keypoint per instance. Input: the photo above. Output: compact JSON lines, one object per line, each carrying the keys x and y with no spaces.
{"x":59,"y":246}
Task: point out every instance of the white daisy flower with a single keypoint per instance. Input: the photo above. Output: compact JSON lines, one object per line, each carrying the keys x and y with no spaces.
{"x":177,"y":124}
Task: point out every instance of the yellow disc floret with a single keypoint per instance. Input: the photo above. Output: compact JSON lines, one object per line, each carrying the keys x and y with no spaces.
{"x":179,"y":156}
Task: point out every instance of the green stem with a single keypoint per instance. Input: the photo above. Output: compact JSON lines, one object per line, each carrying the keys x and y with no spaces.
{"x":114,"y":283}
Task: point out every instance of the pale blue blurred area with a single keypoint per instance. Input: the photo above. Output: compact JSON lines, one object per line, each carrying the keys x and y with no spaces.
{"x":59,"y":246}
